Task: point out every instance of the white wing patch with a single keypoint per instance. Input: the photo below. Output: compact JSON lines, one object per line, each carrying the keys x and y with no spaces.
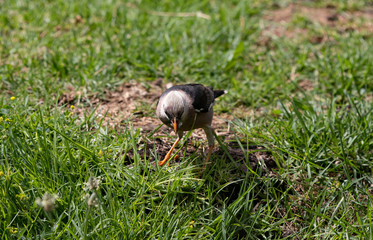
{"x":211,"y":105}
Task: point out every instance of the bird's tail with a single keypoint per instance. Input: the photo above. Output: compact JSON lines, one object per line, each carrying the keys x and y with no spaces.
{"x":218,"y":93}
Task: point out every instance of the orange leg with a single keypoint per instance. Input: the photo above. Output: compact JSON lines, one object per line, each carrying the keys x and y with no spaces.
{"x":168,"y":156}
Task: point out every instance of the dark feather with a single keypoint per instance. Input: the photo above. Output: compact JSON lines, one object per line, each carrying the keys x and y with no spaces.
{"x":218,"y":93}
{"x":203,"y":97}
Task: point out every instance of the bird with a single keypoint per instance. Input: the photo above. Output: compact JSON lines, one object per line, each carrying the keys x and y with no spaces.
{"x":187,"y":107}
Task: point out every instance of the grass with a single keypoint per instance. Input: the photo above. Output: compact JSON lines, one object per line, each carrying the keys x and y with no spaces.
{"x":320,"y":137}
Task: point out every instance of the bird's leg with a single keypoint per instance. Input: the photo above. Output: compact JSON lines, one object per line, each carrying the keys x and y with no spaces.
{"x":207,"y":158}
{"x":209,"y":154}
{"x":168,"y":156}
{"x":210,"y":138}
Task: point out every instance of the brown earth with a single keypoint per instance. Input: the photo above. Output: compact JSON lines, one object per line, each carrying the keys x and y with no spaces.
{"x":346,"y":21}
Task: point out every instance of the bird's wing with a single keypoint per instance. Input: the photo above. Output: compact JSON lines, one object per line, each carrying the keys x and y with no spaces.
{"x":202,"y":98}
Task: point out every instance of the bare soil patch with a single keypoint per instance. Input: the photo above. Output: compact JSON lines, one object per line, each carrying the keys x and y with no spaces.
{"x":135,"y":103}
{"x":360,"y":21}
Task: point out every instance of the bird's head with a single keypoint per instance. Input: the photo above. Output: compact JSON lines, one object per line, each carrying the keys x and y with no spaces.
{"x":174,"y":109}
{"x":174,"y":115}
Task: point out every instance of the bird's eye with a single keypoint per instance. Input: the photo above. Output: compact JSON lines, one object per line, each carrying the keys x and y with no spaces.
{"x":179,"y":115}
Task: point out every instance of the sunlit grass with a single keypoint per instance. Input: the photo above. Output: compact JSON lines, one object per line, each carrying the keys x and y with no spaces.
{"x":68,"y":177}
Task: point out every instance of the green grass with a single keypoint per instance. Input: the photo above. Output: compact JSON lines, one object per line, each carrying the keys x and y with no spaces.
{"x":320,"y":138}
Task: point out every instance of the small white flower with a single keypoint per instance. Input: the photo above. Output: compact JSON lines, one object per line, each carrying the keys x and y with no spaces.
{"x":47,"y":202}
{"x":93,"y":183}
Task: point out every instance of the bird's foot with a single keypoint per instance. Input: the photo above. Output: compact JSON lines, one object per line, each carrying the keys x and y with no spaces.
{"x":168,"y":155}
{"x":166,"y":158}
{"x":176,"y":158}
{"x":161,"y":163}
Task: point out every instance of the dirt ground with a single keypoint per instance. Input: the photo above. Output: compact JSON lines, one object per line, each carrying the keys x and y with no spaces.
{"x":328,"y":18}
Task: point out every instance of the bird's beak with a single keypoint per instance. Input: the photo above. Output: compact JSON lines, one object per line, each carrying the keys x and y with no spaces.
{"x":174,"y":123}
